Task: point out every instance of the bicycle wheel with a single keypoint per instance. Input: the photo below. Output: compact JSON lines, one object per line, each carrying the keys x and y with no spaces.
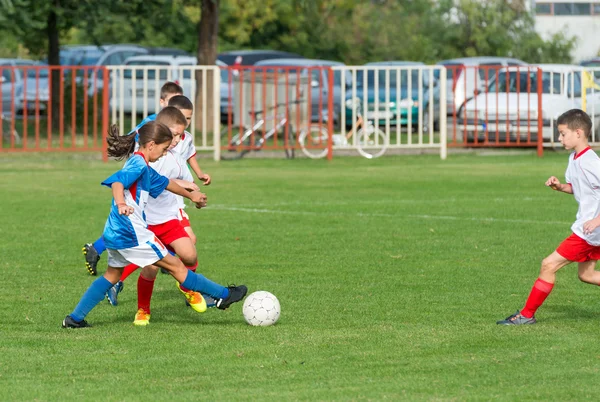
{"x":313,"y":141}
{"x":239,"y":144}
{"x":372,"y":142}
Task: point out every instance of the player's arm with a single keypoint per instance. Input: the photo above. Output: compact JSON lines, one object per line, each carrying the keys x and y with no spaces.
{"x":118,"y":191}
{"x":196,"y":197}
{"x":188,"y":185}
{"x":555,"y":184}
{"x":196,"y":168}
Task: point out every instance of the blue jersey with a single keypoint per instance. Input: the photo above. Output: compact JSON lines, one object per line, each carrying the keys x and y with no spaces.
{"x":139,"y":181}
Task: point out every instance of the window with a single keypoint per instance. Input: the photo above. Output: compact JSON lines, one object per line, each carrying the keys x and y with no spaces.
{"x":139,"y":73}
{"x":543,"y":9}
{"x":7,"y":75}
{"x":572,"y":9}
{"x":526,"y":82}
{"x":596,"y":9}
{"x":574,"y":81}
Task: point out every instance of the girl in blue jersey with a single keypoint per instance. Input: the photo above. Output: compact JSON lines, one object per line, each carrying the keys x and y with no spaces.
{"x":126,"y":235}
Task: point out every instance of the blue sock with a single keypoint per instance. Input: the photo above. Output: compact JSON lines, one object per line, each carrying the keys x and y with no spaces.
{"x":199,"y":283}
{"x":92,"y":296}
{"x":99,"y":245}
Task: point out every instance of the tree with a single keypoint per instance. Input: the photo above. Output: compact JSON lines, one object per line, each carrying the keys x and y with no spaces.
{"x":208,"y":29}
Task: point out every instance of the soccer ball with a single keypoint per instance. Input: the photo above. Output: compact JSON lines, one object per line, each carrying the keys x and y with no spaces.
{"x":261,"y":309}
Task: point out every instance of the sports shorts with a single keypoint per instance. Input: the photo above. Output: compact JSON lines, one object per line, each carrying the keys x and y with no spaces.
{"x":574,"y":248}
{"x":183,"y":218}
{"x":169,"y":231}
{"x":144,"y":254}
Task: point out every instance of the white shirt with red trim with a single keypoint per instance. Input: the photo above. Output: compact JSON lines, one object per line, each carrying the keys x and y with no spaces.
{"x":583,"y":174}
{"x":165,"y":206}
{"x":186,"y":150}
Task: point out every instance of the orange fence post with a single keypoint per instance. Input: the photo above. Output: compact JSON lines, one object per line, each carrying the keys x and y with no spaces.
{"x":105,"y":116}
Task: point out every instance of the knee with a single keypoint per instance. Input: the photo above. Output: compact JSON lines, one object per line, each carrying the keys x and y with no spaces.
{"x":188,"y":258}
{"x":586,"y":277}
{"x":548,"y":267}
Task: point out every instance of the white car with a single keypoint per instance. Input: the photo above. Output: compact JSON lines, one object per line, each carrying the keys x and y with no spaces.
{"x":508,"y":109}
{"x":143,"y":76}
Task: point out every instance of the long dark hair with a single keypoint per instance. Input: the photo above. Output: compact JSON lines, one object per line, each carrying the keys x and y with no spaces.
{"x":122,"y":146}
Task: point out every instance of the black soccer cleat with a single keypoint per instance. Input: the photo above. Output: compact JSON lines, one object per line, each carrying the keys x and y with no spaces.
{"x":517,"y":319}
{"x":69,"y":322}
{"x":236,"y":293}
{"x":91,"y":258}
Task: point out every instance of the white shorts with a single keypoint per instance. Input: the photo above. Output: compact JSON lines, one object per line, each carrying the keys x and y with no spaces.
{"x":142,"y":255}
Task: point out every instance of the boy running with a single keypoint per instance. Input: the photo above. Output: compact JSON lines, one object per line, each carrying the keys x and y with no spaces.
{"x":583,"y":246}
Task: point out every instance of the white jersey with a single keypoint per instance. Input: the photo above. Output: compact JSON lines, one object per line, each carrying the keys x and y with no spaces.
{"x":165,"y":206}
{"x":583,"y":173}
{"x":186,"y":150}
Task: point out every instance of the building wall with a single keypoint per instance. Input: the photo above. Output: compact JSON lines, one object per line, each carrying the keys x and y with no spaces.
{"x":550,"y":18}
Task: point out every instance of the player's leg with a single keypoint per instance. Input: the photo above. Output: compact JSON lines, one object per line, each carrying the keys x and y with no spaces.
{"x":587,"y":272}
{"x":90,"y":299}
{"x":186,"y":251}
{"x":540,"y":291}
{"x":225,"y":296}
{"x":92,"y":253}
{"x":145,"y":288}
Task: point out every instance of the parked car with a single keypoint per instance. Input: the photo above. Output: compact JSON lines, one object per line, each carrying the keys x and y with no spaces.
{"x":11,"y":82}
{"x":319,"y":83}
{"x":251,"y":57}
{"x":467,"y":75}
{"x":36,"y":90}
{"x":416,"y":91}
{"x":509,"y":106}
{"x":157,"y":70}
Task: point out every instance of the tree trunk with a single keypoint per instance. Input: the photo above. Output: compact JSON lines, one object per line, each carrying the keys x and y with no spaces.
{"x":208,"y":29}
{"x":54,"y":60}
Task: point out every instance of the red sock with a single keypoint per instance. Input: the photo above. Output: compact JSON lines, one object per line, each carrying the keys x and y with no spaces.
{"x":128,"y":270}
{"x":541,"y":289}
{"x":193,"y":269}
{"x":145,"y":288}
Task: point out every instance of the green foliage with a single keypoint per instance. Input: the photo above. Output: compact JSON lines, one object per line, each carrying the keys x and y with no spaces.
{"x":353,"y":31}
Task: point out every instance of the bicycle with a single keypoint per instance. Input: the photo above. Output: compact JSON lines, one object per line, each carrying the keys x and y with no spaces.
{"x":371,"y":142}
{"x":251,"y":139}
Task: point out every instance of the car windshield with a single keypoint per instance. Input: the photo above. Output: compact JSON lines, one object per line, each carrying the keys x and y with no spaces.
{"x":32,"y":73}
{"x":391,"y":76}
{"x":526,"y":81}
{"x":139,"y":73}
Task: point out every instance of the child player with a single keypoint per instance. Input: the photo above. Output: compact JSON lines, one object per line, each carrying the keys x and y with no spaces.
{"x":93,"y":251}
{"x":126,"y":235}
{"x":583,"y":245}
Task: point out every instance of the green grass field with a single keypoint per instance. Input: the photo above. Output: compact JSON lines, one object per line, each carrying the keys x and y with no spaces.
{"x":391,"y":275}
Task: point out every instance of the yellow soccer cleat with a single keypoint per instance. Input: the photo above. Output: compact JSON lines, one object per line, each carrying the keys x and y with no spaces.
{"x":141,"y":318}
{"x":194,"y":299}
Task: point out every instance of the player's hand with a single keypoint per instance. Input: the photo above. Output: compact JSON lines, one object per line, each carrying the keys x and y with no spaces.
{"x":205,"y":178}
{"x":193,"y":187}
{"x":590,"y":226}
{"x":199,"y":199}
{"x":124,"y":209}
{"x":553,"y":183}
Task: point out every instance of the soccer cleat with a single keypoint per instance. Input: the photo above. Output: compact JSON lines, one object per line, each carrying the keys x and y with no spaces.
{"x":91,"y":258}
{"x":194,"y":300}
{"x":113,"y":293}
{"x":141,"y":318}
{"x":69,"y":322}
{"x":236,"y":293}
{"x":210,"y":301}
{"x":517,"y":319}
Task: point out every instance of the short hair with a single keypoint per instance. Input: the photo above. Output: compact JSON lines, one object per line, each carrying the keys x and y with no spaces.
{"x":181,"y":102}
{"x":576,"y":119}
{"x":171,"y":116}
{"x":170,"y":88}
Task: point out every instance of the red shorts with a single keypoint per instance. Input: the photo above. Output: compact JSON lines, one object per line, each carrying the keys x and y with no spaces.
{"x":169,"y":231}
{"x":574,"y":248}
{"x":184,"y":219}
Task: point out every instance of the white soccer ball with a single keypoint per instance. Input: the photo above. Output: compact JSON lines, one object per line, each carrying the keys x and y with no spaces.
{"x":261,"y":309}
